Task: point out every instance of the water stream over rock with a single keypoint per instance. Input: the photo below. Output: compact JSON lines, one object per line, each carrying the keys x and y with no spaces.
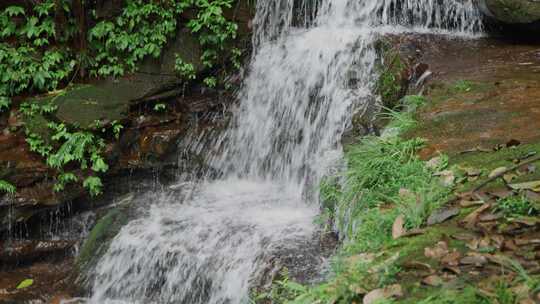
{"x":305,"y":82}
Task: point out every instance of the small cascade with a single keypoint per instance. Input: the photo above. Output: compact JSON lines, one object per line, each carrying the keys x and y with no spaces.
{"x":308,"y":75}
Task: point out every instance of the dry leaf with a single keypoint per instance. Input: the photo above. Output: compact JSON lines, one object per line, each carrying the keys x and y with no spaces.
{"x":467,"y":204}
{"x":434,"y":163}
{"x":447,"y":177}
{"x":441,"y":215}
{"x":433,"y":280}
{"x":497,"y":172}
{"x":474,"y":259}
{"x":470,"y":220}
{"x":398,"y":228}
{"x":509,"y":177}
{"x":451,"y":259}
{"x":472,"y":172}
{"x":534,"y":186}
{"x":383,"y":293}
{"x":437,"y":252}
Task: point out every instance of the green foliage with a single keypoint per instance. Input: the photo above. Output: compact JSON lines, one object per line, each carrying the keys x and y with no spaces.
{"x":516,"y":206}
{"x":5,"y":102}
{"x":160,"y":107}
{"x":93,"y":185}
{"x":462,"y":86}
{"x":7,"y":187}
{"x":282,"y":290}
{"x":141,"y":30}
{"x":66,"y":147}
{"x":29,"y":62}
{"x":210,"y":82}
{"x":117,"y":129}
{"x":25,"y":284}
{"x":213,"y":29}
{"x":185,"y":70}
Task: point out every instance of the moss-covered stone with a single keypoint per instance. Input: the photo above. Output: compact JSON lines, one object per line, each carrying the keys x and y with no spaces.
{"x":100,"y":237}
{"x":513,"y":11}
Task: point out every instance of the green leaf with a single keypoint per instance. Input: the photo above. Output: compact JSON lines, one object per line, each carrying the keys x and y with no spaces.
{"x":7,"y":187}
{"x":14,"y":11}
{"x":25,"y":284}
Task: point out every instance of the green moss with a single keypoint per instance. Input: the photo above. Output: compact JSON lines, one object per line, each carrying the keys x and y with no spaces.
{"x":488,"y":161}
{"x":515,"y":11}
{"x":100,"y":236}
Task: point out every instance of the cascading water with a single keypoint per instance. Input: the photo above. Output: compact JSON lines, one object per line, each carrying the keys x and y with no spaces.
{"x":304,"y":84}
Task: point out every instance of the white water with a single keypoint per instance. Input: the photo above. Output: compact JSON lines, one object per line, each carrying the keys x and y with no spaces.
{"x":303,"y":87}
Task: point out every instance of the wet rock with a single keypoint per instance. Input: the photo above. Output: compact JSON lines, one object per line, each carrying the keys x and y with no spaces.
{"x":512,"y":11}
{"x":100,"y":236}
{"x":27,"y":251}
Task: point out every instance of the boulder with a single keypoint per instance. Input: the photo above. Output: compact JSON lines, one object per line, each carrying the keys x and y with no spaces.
{"x":512,"y":11}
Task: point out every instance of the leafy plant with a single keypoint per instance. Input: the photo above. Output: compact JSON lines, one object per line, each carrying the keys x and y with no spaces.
{"x":184,"y":69}
{"x":7,"y":187}
{"x":141,"y":30}
{"x":160,"y":107}
{"x":463,"y":86}
{"x":516,"y":206}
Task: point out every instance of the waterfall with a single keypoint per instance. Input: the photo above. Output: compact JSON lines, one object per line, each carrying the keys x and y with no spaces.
{"x":307,"y":77}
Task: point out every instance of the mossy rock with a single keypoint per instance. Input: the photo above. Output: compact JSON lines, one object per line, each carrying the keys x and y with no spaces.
{"x":100,"y":237}
{"x":83,"y":105}
{"x":513,"y":11}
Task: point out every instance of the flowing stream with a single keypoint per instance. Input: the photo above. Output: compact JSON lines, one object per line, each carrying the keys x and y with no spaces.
{"x":311,"y":70}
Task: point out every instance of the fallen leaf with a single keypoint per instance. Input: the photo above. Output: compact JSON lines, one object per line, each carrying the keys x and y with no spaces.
{"x":417,"y":266}
{"x":441,"y":215}
{"x":526,"y":220}
{"x":534,"y":186}
{"x":383,"y":293}
{"x":467,"y":204}
{"x":398,"y":228}
{"x":498,"y":240}
{"x":524,"y":241}
{"x":476,"y":260}
{"x":453,"y":269}
{"x":463,"y":236}
{"x":472,"y":171}
{"x":434,"y":163}
{"x":414,"y":232}
{"x":451,"y":259}
{"x":25,"y":284}
{"x":473,"y":244}
{"x":447,"y":177}
{"x":510,"y":245}
{"x":489,"y":217}
{"x":433,"y":280}
{"x":472,"y":218}
{"x":438,"y":251}
{"x":509,"y":177}
{"x":501,"y":193}
{"x":481,"y":196}
{"x":406,"y":193}
{"x":497,"y":172}
{"x":477,"y":149}
{"x":532,"y":196}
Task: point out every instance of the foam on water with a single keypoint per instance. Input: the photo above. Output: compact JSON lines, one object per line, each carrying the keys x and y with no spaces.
{"x":305,"y":83}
